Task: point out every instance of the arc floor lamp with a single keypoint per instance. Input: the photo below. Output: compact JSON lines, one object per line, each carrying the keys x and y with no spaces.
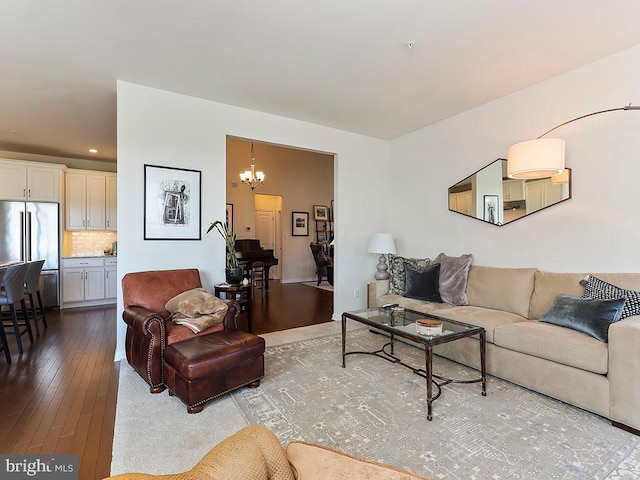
{"x":544,"y":157}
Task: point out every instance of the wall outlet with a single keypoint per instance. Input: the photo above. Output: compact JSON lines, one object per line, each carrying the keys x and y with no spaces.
{"x":356,"y":292}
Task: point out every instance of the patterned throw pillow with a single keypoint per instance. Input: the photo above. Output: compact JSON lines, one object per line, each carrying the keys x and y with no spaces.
{"x":601,"y":290}
{"x":396,"y":270}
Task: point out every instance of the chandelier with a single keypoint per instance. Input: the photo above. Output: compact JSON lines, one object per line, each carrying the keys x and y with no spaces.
{"x":251,"y":177}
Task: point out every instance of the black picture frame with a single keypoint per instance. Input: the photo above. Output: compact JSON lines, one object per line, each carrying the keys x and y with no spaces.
{"x":491,"y":209}
{"x":299,"y":224}
{"x":229,"y":217}
{"x":172,"y":203}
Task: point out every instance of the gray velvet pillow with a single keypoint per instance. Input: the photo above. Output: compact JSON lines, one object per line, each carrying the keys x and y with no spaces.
{"x":585,"y":315}
{"x":454,"y":273}
{"x":397,"y":273}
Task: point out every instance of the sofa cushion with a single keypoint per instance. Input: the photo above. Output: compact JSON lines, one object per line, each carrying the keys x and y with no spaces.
{"x":601,"y":290}
{"x":507,"y":289}
{"x":397,"y":273}
{"x":557,"y":344}
{"x":480,"y":317}
{"x":422,"y":284}
{"x":546,"y":288}
{"x":585,"y":315}
{"x":454,"y":274}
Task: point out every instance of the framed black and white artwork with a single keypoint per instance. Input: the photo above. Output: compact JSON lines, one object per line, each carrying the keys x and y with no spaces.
{"x":172,"y":203}
{"x":229,"y":217}
{"x":300,"y":224}
{"x":491,"y":209}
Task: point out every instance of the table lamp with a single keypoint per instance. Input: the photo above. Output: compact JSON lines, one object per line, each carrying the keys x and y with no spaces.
{"x":383,"y":244}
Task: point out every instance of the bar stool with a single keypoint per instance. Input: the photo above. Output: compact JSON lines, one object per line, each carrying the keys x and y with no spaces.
{"x":13,"y":281}
{"x":31,"y":288}
{"x":4,"y":346}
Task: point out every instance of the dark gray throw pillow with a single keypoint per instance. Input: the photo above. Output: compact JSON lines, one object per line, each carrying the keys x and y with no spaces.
{"x":422,"y":284}
{"x":601,"y":290}
{"x":585,"y":315}
{"x":454,"y":273}
{"x":397,"y":273}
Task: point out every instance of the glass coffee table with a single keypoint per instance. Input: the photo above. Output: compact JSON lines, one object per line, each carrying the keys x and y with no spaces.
{"x":400,"y":322}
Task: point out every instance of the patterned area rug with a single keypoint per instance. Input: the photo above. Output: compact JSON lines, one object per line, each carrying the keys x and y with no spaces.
{"x":324,"y":285}
{"x":377,"y":410}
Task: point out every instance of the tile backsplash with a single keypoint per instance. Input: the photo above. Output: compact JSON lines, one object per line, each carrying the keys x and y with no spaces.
{"x":87,"y":243}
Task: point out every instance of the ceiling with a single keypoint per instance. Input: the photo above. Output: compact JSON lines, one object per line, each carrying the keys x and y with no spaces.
{"x":343,"y":64}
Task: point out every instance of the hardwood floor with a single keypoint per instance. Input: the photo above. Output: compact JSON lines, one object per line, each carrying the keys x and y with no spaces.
{"x":59,"y":397}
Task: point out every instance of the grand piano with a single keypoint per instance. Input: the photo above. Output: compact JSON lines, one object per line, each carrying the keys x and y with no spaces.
{"x":248,"y":251}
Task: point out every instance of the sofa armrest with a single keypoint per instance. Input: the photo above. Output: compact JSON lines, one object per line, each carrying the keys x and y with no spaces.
{"x":375,"y":290}
{"x":316,"y":462}
{"x":143,"y":322}
{"x":624,"y":365}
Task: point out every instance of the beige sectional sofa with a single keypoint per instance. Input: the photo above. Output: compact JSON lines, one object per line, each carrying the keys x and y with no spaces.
{"x":603,"y":378}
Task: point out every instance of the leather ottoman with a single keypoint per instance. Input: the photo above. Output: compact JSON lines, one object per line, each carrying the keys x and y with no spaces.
{"x":202,"y":368}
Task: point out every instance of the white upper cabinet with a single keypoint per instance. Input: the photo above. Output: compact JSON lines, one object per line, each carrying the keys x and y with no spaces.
{"x":30,"y":181}
{"x":112,"y":203}
{"x":86,"y":201}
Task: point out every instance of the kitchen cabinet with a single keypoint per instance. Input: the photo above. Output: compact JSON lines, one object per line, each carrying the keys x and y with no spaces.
{"x":461,"y":202}
{"x":88,"y":281}
{"x":30,"y":181}
{"x":111,"y":203}
{"x":86,"y":205}
{"x":542,"y":193}
{"x":513,"y":190}
{"x":110,"y":278}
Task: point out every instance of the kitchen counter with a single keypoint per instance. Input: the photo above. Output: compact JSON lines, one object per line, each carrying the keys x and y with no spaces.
{"x":89,"y":256}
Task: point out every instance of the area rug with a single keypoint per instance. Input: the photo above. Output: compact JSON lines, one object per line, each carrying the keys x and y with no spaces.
{"x":324,"y":285}
{"x":376,"y":410}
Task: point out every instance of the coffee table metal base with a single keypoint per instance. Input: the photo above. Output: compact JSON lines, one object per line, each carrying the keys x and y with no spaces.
{"x":426,"y":373}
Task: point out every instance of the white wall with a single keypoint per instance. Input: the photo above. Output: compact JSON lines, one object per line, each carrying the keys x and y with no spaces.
{"x":163,"y":128}
{"x":598,"y":230}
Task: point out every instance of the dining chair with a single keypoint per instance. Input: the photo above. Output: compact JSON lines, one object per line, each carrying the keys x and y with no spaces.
{"x":31,"y":288}
{"x":4,"y":346}
{"x":13,"y":293}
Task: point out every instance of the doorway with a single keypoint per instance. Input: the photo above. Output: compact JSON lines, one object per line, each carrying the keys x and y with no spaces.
{"x":268,"y":222}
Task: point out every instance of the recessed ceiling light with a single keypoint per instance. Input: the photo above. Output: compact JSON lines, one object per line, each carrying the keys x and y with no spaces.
{"x":93,"y":150}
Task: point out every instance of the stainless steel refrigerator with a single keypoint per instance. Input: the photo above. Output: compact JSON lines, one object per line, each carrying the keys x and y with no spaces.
{"x":31,"y":231}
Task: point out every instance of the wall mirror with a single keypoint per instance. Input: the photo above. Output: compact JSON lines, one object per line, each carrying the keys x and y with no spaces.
{"x":490,"y":196}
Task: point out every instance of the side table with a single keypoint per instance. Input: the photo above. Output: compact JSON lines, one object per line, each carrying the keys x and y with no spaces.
{"x":240,"y":293}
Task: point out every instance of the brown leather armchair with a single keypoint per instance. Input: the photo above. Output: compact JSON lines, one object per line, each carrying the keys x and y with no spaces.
{"x":148,"y":331}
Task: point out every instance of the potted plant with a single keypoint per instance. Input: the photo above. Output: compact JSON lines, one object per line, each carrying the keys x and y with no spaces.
{"x":233,"y":272}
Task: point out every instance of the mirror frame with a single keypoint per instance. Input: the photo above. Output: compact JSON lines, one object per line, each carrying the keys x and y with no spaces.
{"x":469,"y":179}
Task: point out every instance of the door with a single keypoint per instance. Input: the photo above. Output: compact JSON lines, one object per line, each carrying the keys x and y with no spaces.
{"x":266,"y":233}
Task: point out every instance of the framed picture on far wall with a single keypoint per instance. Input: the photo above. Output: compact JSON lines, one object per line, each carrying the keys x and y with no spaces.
{"x":491,"y":208}
{"x":229,"y":217}
{"x":300,"y":224}
{"x":172,"y":203}
{"x":320,"y":212}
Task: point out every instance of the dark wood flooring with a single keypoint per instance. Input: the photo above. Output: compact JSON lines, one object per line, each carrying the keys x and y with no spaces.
{"x":59,"y":397}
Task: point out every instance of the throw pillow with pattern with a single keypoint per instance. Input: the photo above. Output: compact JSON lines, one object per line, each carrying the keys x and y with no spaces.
{"x":397,"y":273}
{"x":600,"y":290}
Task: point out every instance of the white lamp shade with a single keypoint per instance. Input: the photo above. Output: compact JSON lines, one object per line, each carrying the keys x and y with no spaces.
{"x":562,"y":177}
{"x":543,"y":157}
{"x":382,"y":243}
